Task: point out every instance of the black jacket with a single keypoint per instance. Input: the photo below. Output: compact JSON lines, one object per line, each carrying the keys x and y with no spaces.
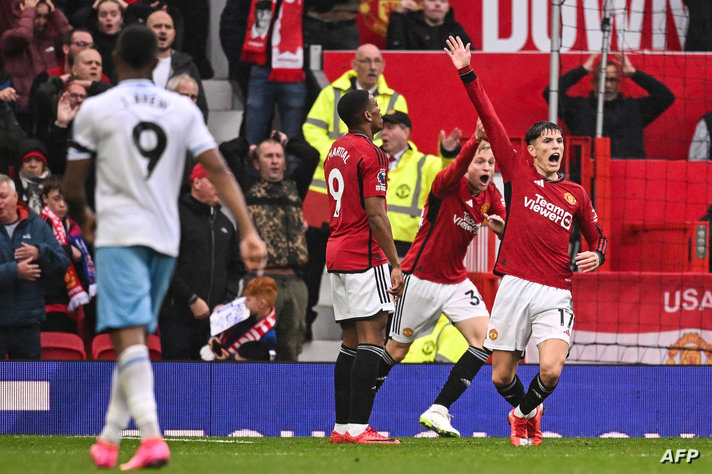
{"x":624,"y":118}
{"x":410,"y":31}
{"x":208,"y":263}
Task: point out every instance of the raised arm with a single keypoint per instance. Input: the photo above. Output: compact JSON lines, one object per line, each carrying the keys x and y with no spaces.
{"x":450,"y":176}
{"x":496,"y":134}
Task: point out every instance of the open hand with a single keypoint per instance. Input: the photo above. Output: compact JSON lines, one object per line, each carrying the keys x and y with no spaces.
{"x":452,"y":141}
{"x":458,"y":52}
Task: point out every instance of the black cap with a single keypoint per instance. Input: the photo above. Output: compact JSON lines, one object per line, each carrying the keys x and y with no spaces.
{"x":396,"y":116}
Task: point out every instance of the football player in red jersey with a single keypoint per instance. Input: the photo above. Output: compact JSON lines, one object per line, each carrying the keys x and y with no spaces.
{"x":358,"y":252}
{"x":463,"y":198}
{"x":534,"y":298}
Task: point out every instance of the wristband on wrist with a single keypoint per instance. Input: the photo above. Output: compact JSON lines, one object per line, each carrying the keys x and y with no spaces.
{"x":192,"y":300}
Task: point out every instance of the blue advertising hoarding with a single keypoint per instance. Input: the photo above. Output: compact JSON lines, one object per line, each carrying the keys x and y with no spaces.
{"x":273,"y":399}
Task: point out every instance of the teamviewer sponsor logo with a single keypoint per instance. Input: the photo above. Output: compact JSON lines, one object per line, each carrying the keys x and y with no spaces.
{"x":467,"y":223}
{"x":549,"y":210}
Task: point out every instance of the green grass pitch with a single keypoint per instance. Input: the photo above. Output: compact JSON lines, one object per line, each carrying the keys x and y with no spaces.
{"x":69,"y":454}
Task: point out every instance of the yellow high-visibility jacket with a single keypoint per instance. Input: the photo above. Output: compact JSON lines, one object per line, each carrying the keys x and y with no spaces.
{"x":445,"y":344}
{"x":408,"y":188}
{"x":323,"y":125}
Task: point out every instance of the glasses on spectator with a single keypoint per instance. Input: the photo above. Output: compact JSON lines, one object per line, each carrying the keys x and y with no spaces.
{"x":75,"y":96}
{"x":83,"y":44}
{"x":376,"y":61}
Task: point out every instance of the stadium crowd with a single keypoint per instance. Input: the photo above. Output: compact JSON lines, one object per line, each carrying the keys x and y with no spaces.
{"x":55,"y":55}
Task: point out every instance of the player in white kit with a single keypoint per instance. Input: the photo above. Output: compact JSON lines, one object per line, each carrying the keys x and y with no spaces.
{"x":138,"y":134}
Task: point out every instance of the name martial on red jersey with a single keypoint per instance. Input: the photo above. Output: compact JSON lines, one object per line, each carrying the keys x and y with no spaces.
{"x":451,"y":218}
{"x":534,"y":202}
{"x":354,"y":169}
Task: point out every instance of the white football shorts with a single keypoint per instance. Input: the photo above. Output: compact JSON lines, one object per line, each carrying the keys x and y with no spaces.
{"x":523,"y":309}
{"x":361,"y":295}
{"x":418,"y":311}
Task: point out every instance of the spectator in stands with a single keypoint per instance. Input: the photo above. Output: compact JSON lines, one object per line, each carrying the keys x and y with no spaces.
{"x":171,"y":62}
{"x":700,"y":147}
{"x":11,"y":134}
{"x":75,"y":41}
{"x":426,"y":28}
{"x":410,"y":175}
{"x":233,"y":27}
{"x":108,"y":24}
{"x":321,"y":128}
{"x":86,"y":72}
{"x":274,"y":46}
{"x":32,"y":165}
{"x":185,"y":85}
{"x":275,"y":205}
{"x":31,"y":47}
{"x":253,"y":338}
{"x":28,"y":253}
{"x":207,"y":274}
{"x":67,"y":106}
{"x":699,"y":28}
{"x":65,"y":295}
{"x":624,"y":118}
{"x":196,"y":29}
{"x":331,"y":24}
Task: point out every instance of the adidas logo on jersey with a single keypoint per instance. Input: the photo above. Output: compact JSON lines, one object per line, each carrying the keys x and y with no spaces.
{"x":540,"y":182}
{"x":469,"y":202}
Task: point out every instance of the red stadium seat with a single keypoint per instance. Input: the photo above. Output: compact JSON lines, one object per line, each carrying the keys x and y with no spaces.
{"x":62,"y":346}
{"x":102,"y":349}
{"x":154,"y":346}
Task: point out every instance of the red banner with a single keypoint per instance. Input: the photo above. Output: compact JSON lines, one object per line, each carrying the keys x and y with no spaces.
{"x":524,"y":25}
{"x":650,"y":318}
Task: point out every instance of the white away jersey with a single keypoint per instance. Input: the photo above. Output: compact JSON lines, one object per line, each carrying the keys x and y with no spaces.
{"x":139,"y":135}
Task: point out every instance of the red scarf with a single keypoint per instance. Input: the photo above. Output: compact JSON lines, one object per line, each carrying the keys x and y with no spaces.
{"x":285,"y":34}
{"x":255,"y":333}
{"x":75,"y":290}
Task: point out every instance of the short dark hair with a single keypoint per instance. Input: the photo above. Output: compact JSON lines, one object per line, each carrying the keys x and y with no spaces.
{"x":69,"y":35}
{"x":51,"y":183}
{"x":352,"y":106}
{"x":538,"y":128}
{"x":137,"y":46}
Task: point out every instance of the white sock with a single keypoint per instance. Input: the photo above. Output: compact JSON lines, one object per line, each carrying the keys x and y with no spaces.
{"x":341,"y":427}
{"x":117,"y":413}
{"x":356,"y":429}
{"x":518,"y":413}
{"x":136,"y":375}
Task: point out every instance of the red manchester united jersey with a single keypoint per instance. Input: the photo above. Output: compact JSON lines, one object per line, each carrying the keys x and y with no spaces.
{"x":354,"y":169}
{"x":540,"y":212}
{"x":451,"y":218}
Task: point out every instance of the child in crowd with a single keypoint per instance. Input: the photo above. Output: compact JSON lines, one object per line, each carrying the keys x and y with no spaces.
{"x":66,"y":296}
{"x":253,"y":338}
